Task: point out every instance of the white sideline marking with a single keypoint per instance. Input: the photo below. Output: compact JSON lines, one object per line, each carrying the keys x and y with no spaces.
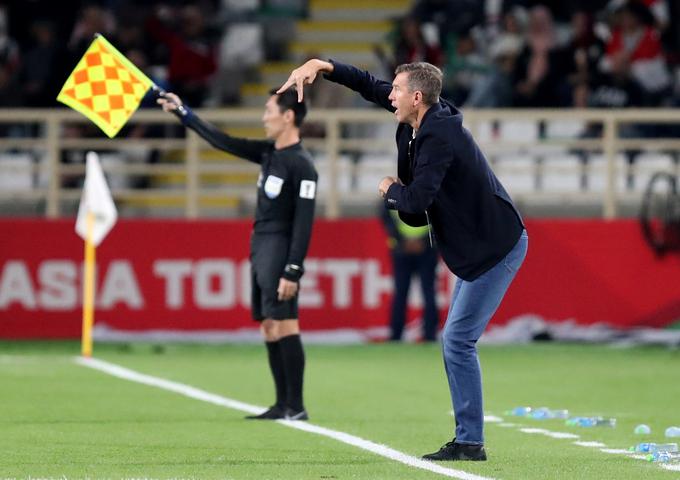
{"x":548,"y":433}
{"x":675,"y":468}
{"x":507,"y":424}
{"x":561,"y":435}
{"x":617,"y":451}
{"x":198,"y":394}
{"x":533,"y":430}
{"x":590,"y":444}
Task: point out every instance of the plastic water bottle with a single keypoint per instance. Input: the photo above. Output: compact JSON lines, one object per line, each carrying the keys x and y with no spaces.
{"x":545,"y":413}
{"x":664,"y":457}
{"x":605,"y":422}
{"x":591,"y":422}
{"x":573,"y":421}
{"x":673,"y":432}
{"x":541,"y":413}
{"x":561,"y":414}
{"x":648,"y":447}
{"x":519,"y":411}
{"x":642,"y":429}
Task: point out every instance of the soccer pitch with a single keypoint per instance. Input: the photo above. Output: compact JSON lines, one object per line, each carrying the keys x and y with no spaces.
{"x":61,"y":419}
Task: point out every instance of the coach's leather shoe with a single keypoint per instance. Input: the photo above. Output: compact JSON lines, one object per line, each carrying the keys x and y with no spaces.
{"x":296,"y":415}
{"x":274,"y":413}
{"x":457,"y":451}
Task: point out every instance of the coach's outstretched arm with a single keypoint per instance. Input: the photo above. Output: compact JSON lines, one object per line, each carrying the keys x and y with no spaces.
{"x":370,"y":88}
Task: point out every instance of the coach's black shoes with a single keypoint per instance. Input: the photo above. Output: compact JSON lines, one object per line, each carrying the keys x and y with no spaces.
{"x":274,"y":413}
{"x":296,"y":415}
{"x":457,"y":451}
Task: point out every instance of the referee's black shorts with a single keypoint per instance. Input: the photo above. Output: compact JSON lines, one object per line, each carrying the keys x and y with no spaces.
{"x":268,"y":255}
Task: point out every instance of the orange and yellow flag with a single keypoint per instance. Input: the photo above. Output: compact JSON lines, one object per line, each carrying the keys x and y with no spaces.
{"x":105,"y":86}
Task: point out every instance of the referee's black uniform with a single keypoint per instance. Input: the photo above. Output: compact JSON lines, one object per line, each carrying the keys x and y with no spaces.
{"x":286,"y":193}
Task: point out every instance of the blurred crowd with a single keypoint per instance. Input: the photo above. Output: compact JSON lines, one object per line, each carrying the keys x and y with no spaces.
{"x":201,"y":49}
{"x":524,"y":53}
{"x":495,"y":53}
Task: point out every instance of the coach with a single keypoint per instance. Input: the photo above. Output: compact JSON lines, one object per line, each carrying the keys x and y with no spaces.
{"x":445,"y":182}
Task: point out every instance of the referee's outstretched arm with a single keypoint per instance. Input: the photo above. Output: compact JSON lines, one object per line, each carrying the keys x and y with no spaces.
{"x":250,"y":150}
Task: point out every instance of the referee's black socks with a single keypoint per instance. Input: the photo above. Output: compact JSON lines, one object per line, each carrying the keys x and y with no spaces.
{"x":278,"y":372}
{"x":294,"y":365}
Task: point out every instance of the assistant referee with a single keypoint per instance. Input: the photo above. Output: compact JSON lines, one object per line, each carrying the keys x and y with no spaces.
{"x":286,"y":191}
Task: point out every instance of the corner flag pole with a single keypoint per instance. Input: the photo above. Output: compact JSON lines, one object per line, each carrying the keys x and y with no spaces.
{"x":88,"y":288}
{"x":96,"y":216}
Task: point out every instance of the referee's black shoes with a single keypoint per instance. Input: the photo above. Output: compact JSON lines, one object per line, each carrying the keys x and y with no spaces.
{"x":457,"y":451}
{"x":295,"y":415}
{"x":274,"y":413}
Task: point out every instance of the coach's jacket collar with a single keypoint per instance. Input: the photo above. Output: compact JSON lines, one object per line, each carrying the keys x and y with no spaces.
{"x":437,"y":107}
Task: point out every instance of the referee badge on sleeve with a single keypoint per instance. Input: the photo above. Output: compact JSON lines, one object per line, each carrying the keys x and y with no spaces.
{"x":272,"y":186}
{"x":307,"y":189}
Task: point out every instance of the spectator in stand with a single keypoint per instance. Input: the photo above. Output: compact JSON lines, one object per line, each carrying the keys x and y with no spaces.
{"x":514,"y":23}
{"x":451,"y":17}
{"x":10,"y":62}
{"x":192,"y":53}
{"x":245,"y":42}
{"x":410,"y":45}
{"x":130,"y":34}
{"x":92,"y":19}
{"x":586,"y":50}
{"x":540,"y":73}
{"x":660,"y":12}
{"x":495,"y":90}
{"x":465,"y":67}
{"x":39,"y":83}
{"x":634,"y":52}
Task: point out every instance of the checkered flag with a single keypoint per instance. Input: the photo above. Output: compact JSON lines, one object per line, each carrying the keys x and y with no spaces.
{"x":105,"y":87}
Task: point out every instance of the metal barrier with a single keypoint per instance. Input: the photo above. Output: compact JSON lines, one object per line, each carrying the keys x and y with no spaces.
{"x":359,"y":131}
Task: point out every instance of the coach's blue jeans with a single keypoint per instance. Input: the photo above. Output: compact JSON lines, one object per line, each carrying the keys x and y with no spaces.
{"x":472,"y":306}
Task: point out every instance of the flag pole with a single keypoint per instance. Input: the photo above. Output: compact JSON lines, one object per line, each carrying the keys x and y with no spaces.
{"x":88,"y":287}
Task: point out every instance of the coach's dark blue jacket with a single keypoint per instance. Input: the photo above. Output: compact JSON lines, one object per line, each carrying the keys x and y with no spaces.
{"x":447,"y":180}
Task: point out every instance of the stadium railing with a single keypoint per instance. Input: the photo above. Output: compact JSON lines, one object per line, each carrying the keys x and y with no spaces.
{"x":542,"y":156}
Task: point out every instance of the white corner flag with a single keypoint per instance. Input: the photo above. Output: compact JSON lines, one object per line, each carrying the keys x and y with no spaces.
{"x":96,"y":199}
{"x":96,"y":216}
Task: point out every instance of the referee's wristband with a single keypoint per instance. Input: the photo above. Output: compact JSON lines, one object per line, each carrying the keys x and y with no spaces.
{"x":293,"y":272}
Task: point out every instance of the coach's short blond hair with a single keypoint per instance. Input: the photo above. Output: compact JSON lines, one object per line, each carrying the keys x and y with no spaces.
{"x":424,"y":77}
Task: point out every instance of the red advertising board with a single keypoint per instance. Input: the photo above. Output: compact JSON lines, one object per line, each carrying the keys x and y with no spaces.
{"x":183,"y":277}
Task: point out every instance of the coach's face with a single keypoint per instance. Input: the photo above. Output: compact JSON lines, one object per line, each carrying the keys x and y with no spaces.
{"x":273,"y":120}
{"x":403,"y":99}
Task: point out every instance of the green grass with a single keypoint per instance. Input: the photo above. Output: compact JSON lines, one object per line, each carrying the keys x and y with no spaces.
{"x":59,"y":419}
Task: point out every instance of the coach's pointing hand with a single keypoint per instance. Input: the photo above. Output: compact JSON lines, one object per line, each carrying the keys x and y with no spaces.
{"x":305,"y":75}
